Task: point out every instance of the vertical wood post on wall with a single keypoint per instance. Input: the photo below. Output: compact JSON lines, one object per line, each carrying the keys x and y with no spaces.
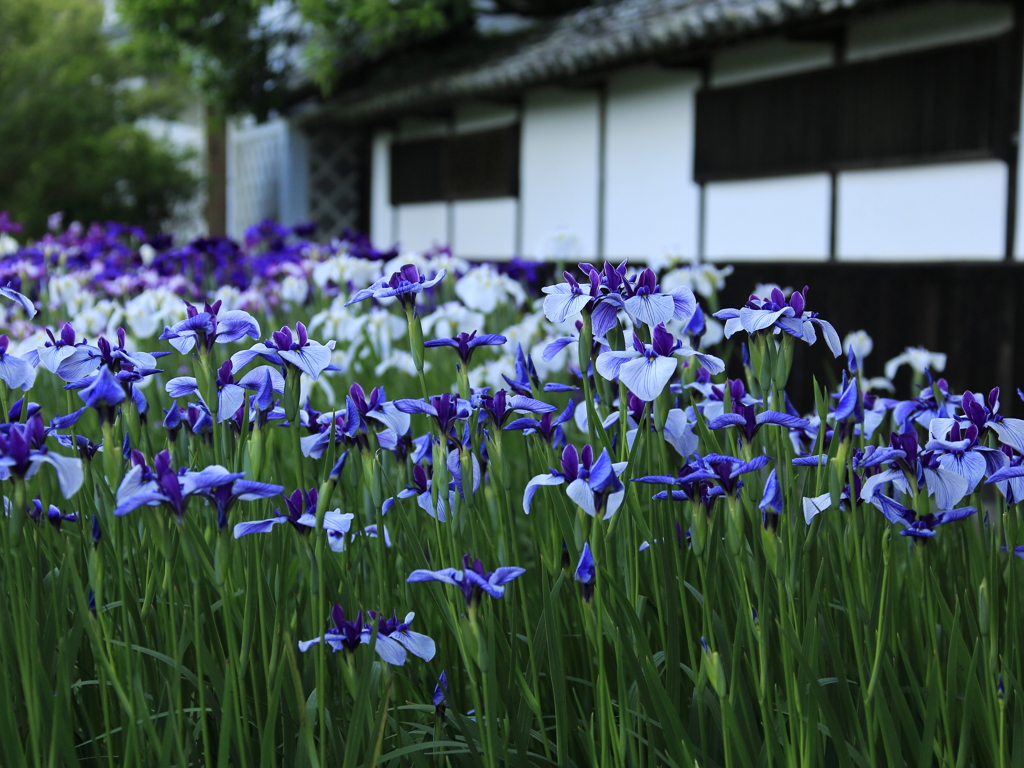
{"x":1016,"y":76}
{"x":216,"y":170}
{"x":602,"y":150}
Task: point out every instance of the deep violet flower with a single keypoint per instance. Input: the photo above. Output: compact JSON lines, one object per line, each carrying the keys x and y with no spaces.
{"x":918,"y":526}
{"x":749,"y":422}
{"x":230,"y":396}
{"x":586,"y":573}
{"x":300,"y":513}
{"x":404,"y":284}
{"x":473,"y":580}
{"x":647,"y":368}
{"x":23,"y":451}
{"x":593,"y":484}
{"x":283,"y":348}
{"x":778,"y":315}
{"x":210,"y":326}
{"x":394,"y":638}
{"x":464,"y":343}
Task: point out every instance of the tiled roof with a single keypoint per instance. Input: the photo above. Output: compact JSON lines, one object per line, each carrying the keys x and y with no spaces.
{"x":593,"y":38}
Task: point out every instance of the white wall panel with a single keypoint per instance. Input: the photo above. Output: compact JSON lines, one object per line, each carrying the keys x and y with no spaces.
{"x":777,"y":218}
{"x":485,"y":228}
{"x":382,"y":232}
{"x":764,"y":59}
{"x":422,"y":225}
{"x":559,"y":167}
{"x":950,"y":211}
{"x":925,"y":26}
{"x":651,"y":201}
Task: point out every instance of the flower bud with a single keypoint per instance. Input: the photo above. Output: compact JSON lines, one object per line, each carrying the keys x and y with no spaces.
{"x":984,"y":616}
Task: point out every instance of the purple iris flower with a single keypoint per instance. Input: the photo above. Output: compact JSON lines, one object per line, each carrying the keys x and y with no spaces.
{"x":15,"y":372}
{"x":166,"y":486}
{"x":440,"y":693}
{"x":420,"y":489}
{"x":23,"y":451}
{"x":549,"y":427}
{"x":230,"y":396}
{"x":87,"y":358}
{"x":1009,"y":431}
{"x":445,"y":409}
{"x":283,"y":348}
{"x":777,"y":314}
{"x":749,"y":422}
{"x":645,"y":303}
{"x":473,"y":580}
{"x":501,"y":406}
{"x":464,"y":343}
{"x":959,"y":452}
{"x":586,"y":573}
{"x":527,"y":378}
{"x":405,"y":284}
{"x":771,"y":505}
{"x":702,"y":472}
{"x":104,"y":393}
{"x":225,"y":488}
{"x":593,"y":484}
{"x":1010,"y":479}
{"x":53,"y":352}
{"x":26,"y":303}
{"x":567,"y":299}
{"x":647,"y":368}
{"x":946,"y":486}
{"x":209,"y":327}
{"x":378,"y":408}
{"x":53,"y":515}
{"x":300,"y":513}
{"x":394,"y":638}
{"x":918,"y":526}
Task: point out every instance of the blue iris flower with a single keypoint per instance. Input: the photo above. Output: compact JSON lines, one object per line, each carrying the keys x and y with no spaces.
{"x":394,"y":638}
{"x":23,"y":451}
{"x":919,"y":526}
{"x":286,"y":349}
{"x":464,"y":343}
{"x":210,"y":326}
{"x":779,"y":315}
{"x":749,"y":422}
{"x":15,"y":372}
{"x":771,"y":505}
{"x":549,"y":426}
{"x":593,"y":484}
{"x":501,"y":406}
{"x":404,"y":284}
{"x":586,"y":572}
{"x":473,"y":579}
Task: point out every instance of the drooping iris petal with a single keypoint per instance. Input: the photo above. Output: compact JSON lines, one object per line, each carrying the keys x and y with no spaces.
{"x":646,"y":377}
{"x":534,"y":484}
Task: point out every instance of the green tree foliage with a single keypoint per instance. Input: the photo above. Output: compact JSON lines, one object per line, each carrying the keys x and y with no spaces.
{"x":344,"y":33}
{"x":68,"y":107}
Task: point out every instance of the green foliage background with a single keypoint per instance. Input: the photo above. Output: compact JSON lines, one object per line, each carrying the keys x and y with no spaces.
{"x":67,"y":132}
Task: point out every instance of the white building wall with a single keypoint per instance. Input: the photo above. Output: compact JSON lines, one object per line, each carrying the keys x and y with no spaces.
{"x":382,"y":224}
{"x":776,"y":218}
{"x":485,"y":229}
{"x":559,"y":168}
{"x":945,"y":211}
{"x":651,"y":201}
{"x":421,"y":226}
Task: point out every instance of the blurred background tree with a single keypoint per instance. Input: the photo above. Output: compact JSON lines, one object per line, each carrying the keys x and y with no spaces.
{"x":69,"y":101}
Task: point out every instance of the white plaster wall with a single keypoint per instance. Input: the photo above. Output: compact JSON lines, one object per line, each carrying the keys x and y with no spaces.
{"x":945,"y":211}
{"x":485,"y":229}
{"x":925,"y":26}
{"x":765,"y":59}
{"x":776,"y":218}
{"x":382,"y":223}
{"x":651,"y":200}
{"x":559,"y":167}
{"x":294,"y":192}
{"x":422,"y":225}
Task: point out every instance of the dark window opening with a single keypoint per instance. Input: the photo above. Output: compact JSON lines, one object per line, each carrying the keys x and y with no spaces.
{"x":467,"y":166}
{"x":945,"y":104}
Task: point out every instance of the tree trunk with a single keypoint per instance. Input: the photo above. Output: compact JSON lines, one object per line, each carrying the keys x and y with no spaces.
{"x":216,"y":171}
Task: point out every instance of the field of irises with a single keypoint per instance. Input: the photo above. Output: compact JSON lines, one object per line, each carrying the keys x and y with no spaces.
{"x":298,"y":504}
